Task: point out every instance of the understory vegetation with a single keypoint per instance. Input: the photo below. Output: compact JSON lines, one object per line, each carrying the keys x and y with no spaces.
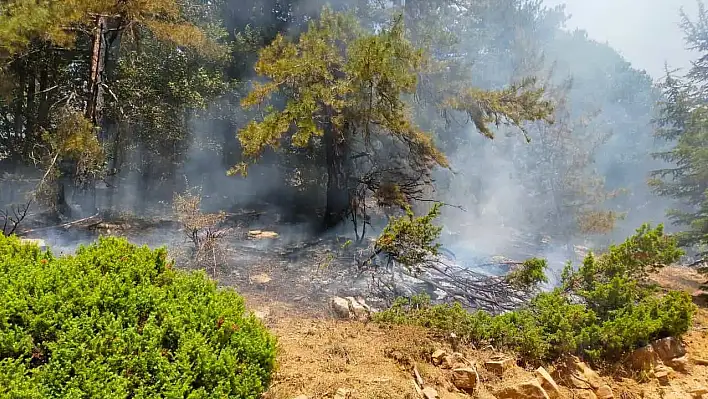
{"x":603,"y":310}
{"x":332,"y":115}
{"x":116,"y":321}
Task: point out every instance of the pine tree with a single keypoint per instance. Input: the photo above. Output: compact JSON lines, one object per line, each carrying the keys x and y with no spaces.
{"x":683,"y":122}
{"x":60,"y":56}
{"x":344,"y":91}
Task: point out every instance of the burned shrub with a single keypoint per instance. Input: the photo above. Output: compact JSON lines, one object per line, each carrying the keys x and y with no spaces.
{"x":203,"y":230}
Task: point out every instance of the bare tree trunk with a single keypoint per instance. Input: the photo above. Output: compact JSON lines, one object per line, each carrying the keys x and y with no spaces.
{"x":94,"y":105}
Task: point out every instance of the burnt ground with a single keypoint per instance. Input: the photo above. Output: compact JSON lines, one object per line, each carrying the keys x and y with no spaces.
{"x":295,"y":265}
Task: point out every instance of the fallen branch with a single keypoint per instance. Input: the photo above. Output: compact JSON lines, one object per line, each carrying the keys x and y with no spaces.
{"x":63,"y":225}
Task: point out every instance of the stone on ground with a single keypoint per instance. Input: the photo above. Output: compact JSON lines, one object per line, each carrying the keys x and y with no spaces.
{"x":465,"y":379}
{"x":438,"y":357}
{"x":668,"y":348}
{"x":340,"y":307}
{"x":454,"y":360}
{"x":499,"y":364}
{"x":430,"y":393}
{"x":578,"y":374}
{"x":643,"y":359}
{"x":531,"y":389}
{"x":604,"y":392}
{"x":548,"y":383}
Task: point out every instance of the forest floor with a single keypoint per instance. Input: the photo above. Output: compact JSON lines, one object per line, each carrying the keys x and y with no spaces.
{"x":320,"y":355}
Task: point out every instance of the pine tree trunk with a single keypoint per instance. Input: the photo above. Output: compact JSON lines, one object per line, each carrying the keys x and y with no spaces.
{"x":43,"y":107}
{"x":92,"y":112}
{"x":20,"y":100}
{"x":338,"y":170}
{"x":94,"y":105}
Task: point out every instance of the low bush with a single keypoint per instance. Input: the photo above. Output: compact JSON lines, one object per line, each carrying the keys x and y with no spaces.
{"x":116,"y":321}
{"x":603,"y":310}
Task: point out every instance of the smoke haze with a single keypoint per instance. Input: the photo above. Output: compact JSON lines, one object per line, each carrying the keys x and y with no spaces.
{"x":645,"y":32}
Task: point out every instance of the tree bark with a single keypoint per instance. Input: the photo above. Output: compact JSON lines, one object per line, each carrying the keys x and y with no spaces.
{"x":338,"y":170}
{"x":20,"y":100}
{"x":94,"y":105}
{"x":43,"y":107}
{"x":92,"y":112}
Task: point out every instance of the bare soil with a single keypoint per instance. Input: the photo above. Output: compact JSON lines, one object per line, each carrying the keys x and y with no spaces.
{"x":319,"y":355}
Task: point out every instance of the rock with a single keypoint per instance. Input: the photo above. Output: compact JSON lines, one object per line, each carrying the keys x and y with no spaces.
{"x":669,"y":393}
{"x":548,"y":383}
{"x":604,"y":392}
{"x":668,"y":348}
{"x":438,"y":357}
{"x":526,"y":390}
{"x":679,"y":363}
{"x":260,"y":234}
{"x":662,"y":374}
{"x":643,"y":359}
{"x":578,"y":374}
{"x":340,"y":306}
{"x":350,"y":308}
{"x":359,"y":309}
{"x":499,"y":364}
{"x":262,"y":278}
{"x":430,"y":393}
{"x":698,"y":392}
{"x":585,"y":394}
{"x":343,"y":393}
{"x":465,"y":379}
{"x":455,"y":360}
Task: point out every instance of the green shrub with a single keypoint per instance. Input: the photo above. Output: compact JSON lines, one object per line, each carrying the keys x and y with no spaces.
{"x":602,"y":311}
{"x":115,"y":321}
{"x":531,"y":273}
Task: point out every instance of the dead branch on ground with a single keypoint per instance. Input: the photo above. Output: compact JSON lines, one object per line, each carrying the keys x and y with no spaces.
{"x":444,"y":278}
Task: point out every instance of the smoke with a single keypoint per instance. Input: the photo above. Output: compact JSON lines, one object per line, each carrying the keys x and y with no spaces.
{"x":485,"y":179}
{"x":652,"y":39}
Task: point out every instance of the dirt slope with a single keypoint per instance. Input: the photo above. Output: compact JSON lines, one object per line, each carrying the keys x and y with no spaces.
{"x":319,"y":356}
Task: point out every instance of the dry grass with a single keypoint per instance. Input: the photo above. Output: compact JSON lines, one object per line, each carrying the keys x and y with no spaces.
{"x":202,"y":230}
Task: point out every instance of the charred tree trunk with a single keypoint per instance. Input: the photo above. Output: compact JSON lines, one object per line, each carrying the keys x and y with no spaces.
{"x":338,"y":173}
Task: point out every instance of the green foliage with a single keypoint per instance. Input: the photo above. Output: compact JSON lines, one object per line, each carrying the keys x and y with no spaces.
{"x":639,"y":255}
{"x":345,"y":78}
{"x":514,"y":105}
{"x":116,"y":321}
{"x":602,"y":311}
{"x":531,"y":273}
{"x":683,"y":123}
{"x":410,"y":239}
{"x":22,"y":21}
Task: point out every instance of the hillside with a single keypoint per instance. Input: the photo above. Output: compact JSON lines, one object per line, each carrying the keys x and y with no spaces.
{"x":320,"y":356}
